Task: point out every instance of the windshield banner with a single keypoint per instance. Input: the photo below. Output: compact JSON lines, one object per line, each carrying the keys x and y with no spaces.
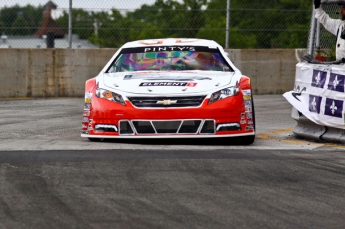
{"x":319,"y":93}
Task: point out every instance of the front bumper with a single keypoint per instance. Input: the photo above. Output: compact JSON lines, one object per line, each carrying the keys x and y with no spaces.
{"x":227,"y":118}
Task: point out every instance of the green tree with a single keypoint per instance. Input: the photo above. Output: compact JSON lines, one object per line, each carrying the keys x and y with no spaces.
{"x":253,"y":24}
{"x":195,"y":18}
{"x":2,"y":27}
{"x":113,"y":29}
{"x":20,"y":27}
{"x":82,"y":22}
{"x":168,"y":18}
{"x":31,"y":15}
{"x":261,"y":23}
{"x":162,"y":19}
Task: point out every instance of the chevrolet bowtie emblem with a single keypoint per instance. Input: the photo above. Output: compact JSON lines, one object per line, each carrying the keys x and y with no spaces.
{"x":166,"y":102}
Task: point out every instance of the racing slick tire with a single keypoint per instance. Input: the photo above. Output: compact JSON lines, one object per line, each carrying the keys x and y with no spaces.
{"x":247,"y":140}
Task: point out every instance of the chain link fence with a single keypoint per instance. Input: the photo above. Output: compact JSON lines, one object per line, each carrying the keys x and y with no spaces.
{"x":109,"y":24}
{"x":323,"y":42}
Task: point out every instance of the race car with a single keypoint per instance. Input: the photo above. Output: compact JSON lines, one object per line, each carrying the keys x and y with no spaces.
{"x":169,"y":88}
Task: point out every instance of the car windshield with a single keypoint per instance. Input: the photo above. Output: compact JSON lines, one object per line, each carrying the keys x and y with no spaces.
{"x":169,"y":61}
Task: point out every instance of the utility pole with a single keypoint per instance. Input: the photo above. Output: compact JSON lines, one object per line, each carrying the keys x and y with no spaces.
{"x":70,"y":25}
{"x":227,"y":33}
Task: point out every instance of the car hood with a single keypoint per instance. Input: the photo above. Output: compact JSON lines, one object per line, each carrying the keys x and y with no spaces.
{"x":168,"y":82}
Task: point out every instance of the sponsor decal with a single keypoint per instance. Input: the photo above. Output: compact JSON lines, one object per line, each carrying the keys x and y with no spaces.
{"x":173,"y":84}
{"x":249,"y":115}
{"x":336,"y":82}
{"x":334,"y":108}
{"x":250,"y":121}
{"x":319,"y":79}
{"x":90,"y":125}
{"x":88,"y":97}
{"x":84,"y":126}
{"x":85,"y":132}
{"x":191,"y":84}
{"x":243,"y":121}
{"x":248,"y":109}
{"x":246,"y":92}
{"x":85,"y":119}
{"x":249,"y":127}
{"x":247,"y":103}
{"x":87,"y":106}
{"x":247,"y":97}
{"x":169,"y":48}
{"x":314,"y":103}
{"x":86,"y":113}
{"x":298,"y":92}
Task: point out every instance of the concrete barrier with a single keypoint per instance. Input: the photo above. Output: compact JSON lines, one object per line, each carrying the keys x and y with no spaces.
{"x":307,"y":129}
{"x":62,"y":72}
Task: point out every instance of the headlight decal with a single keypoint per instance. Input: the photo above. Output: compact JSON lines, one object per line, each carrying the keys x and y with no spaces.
{"x":224,"y":93}
{"x":108,"y":95}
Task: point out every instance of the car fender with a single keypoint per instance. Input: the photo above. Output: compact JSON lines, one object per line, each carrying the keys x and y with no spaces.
{"x":245,"y":83}
{"x":90,"y":85}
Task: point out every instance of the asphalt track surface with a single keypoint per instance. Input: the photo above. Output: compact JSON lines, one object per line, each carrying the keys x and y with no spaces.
{"x":50,"y":177}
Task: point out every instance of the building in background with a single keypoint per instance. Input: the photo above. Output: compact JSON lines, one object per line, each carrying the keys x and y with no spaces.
{"x":50,"y":28}
{"x":49,"y":35}
{"x":38,"y":42}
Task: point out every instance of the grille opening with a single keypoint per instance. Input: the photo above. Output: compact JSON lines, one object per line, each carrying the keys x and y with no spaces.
{"x":125,"y":128}
{"x":208,"y":127}
{"x":175,"y":127}
{"x":165,"y":127}
{"x":184,"y":101}
{"x":144,"y":127}
{"x":190,"y":126}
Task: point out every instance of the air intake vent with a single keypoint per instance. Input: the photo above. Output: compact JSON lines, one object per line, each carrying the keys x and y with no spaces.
{"x":142,"y":127}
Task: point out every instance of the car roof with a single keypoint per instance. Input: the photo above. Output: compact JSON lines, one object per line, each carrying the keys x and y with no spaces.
{"x":171,"y":41}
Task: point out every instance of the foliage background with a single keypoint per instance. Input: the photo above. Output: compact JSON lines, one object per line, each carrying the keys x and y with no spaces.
{"x":253,"y":24}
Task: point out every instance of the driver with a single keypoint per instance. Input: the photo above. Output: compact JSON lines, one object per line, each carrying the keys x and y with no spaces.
{"x":206,"y":60}
{"x":335,"y":26}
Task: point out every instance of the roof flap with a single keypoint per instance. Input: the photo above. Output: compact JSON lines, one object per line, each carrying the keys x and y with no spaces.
{"x":328,"y":2}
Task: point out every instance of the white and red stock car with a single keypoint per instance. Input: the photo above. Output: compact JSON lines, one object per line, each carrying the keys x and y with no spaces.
{"x":169,"y":88}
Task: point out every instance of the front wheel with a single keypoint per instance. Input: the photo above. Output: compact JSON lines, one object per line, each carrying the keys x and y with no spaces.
{"x":247,"y":140}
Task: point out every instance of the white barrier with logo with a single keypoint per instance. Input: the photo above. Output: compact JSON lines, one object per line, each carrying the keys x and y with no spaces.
{"x":319,"y":93}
